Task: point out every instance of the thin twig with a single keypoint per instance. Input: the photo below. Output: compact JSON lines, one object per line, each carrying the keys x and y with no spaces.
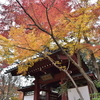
{"x":68,"y":64}
{"x":49,"y":21}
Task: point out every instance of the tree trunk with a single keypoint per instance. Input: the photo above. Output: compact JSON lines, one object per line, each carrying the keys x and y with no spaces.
{"x":67,"y":75}
{"x":83,"y":73}
{"x":81,"y":97}
{"x":77,"y":65}
{"x":97,"y":69}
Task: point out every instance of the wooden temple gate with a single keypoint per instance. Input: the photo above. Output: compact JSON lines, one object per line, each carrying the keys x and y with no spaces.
{"x":48,"y":77}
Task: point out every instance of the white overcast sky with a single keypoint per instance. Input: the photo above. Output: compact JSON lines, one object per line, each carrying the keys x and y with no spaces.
{"x":3,"y":1}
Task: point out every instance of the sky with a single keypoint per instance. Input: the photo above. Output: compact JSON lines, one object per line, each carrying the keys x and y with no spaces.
{"x":3,"y":1}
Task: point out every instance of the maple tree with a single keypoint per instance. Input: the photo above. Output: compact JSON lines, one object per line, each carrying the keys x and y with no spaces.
{"x":8,"y":88}
{"x":6,"y":18}
{"x":52,"y":24}
{"x":26,"y":42}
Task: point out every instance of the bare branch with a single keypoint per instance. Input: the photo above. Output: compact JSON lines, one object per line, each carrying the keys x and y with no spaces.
{"x":26,"y":48}
{"x":32,"y":19}
{"x":43,"y":4}
{"x":49,"y":21}
{"x":52,"y":4}
{"x":68,"y":64}
{"x":70,"y":77}
{"x":35,"y":16}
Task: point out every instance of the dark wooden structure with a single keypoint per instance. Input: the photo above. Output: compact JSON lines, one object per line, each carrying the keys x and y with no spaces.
{"x":48,"y":77}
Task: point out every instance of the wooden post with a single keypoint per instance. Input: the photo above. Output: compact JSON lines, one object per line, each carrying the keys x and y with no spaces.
{"x":64,"y":96}
{"x":48,"y":94}
{"x":23,"y":95}
{"x":37,"y":89}
{"x":90,"y":90}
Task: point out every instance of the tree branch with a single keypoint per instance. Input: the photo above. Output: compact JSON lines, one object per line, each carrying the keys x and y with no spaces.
{"x":70,"y":77}
{"x":26,"y":48}
{"x":32,"y":19}
{"x":49,"y":21}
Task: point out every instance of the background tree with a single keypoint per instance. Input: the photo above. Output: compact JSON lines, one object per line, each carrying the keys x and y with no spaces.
{"x":9,"y":84}
{"x":7,"y":16}
{"x":8,"y":87}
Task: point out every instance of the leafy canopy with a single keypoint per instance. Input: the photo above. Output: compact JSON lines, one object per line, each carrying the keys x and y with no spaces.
{"x":38,"y":22}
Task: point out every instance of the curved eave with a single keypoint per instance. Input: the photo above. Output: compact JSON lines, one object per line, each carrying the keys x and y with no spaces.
{"x":27,"y":88}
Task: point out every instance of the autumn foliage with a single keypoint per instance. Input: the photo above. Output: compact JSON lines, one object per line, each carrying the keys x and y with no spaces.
{"x":40,"y":24}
